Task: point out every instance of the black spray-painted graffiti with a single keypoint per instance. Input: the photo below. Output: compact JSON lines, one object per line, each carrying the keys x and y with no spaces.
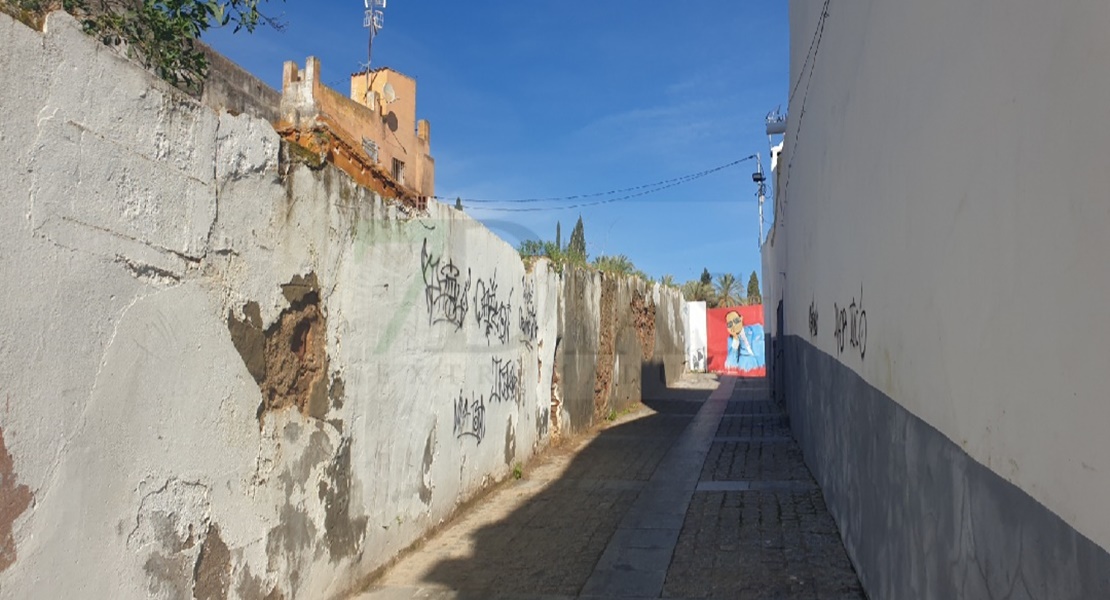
{"x":492,"y":314}
{"x":813,"y":318}
{"x":543,"y":419}
{"x":506,"y":381}
{"x":697,"y":360}
{"x":470,"y":417}
{"x":444,"y":290}
{"x":470,"y":412}
{"x":529,"y":325}
{"x":851,"y":326}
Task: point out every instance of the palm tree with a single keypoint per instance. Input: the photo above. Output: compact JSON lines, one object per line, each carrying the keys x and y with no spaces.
{"x":615,"y":264}
{"x":667,"y":281}
{"x":726,"y":290}
{"x":696,"y":291}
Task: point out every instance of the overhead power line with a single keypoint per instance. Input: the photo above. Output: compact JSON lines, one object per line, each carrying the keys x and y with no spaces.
{"x":636,"y":191}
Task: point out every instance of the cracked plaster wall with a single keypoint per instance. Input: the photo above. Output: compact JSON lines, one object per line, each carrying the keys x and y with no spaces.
{"x":945,"y":174}
{"x":150,"y":246}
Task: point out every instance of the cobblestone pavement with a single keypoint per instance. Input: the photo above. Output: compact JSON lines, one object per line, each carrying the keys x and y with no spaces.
{"x":697,"y":495}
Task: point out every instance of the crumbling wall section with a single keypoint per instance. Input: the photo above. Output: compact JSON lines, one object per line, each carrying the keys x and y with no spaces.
{"x":229,"y":87}
{"x":623,"y":336}
{"x":229,"y":371}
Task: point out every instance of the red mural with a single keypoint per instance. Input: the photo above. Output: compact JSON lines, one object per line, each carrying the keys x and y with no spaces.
{"x":735,"y":340}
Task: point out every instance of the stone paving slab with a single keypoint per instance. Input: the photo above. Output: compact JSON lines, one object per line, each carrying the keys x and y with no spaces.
{"x":744,"y":461}
{"x":753,"y":407}
{"x":756,"y":545}
{"x":754,"y":426}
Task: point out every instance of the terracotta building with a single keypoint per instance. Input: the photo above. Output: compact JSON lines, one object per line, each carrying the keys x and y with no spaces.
{"x":373,"y":134}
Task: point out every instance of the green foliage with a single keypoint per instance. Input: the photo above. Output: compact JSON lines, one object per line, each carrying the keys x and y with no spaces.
{"x":668,"y":281}
{"x":518,"y":471}
{"x":160,"y":34}
{"x":696,"y":290}
{"x":575,"y":255}
{"x":618,"y":264}
{"x":531,"y":248}
{"x":726,"y":290}
{"x":754,"y":296}
{"x":706,"y":278}
{"x":576,"y":248}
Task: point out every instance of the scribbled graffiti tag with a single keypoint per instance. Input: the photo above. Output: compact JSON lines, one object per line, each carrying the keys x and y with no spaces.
{"x":529,"y":325}
{"x":445,"y":292}
{"x":506,"y":381}
{"x":492,"y":313}
{"x":543,"y":419}
{"x":813,"y":318}
{"x":851,"y":326}
{"x":470,"y":417}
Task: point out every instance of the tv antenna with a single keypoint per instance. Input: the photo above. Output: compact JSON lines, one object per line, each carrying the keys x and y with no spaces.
{"x":373,"y":18}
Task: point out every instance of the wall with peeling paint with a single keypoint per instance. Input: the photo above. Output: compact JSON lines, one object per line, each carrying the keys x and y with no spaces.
{"x":230,"y":375}
{"x":939,"y":249}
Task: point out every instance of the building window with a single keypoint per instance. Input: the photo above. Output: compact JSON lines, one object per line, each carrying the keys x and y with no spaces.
{"x":371,"y":148}
{"x":399,"y":171}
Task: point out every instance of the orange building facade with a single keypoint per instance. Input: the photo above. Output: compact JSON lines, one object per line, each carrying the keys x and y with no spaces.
{"x":373,"y":134}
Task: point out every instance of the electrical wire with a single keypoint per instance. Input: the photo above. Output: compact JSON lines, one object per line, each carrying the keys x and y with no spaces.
{"x":813,"y":44}
{"x":640,"y":190}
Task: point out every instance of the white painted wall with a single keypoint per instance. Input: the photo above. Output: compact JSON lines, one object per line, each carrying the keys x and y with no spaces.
{"x":696,"y":336}
{"x":947,"y":171}
{"x":135,"y":221}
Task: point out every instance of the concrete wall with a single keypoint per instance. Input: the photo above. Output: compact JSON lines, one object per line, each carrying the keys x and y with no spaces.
{"x":618,"y":338}
{"x":697,"y":349}
{"x":942,"y":229}
{"x":228,"y":374}
{"x":229,"y":87}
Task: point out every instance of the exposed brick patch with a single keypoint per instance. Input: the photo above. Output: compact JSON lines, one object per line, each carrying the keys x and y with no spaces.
{"x":289,"y":359}
{"x":643,"y":315}
{"x":606,"y":347}
{"x":14,"y":499}
{"x":212,"y":575}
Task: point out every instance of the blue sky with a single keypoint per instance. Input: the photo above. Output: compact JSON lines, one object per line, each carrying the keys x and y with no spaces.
{"x":535,"y":98}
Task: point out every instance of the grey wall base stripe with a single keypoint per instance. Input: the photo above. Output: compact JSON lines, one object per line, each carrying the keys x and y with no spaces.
{"x":919,"y":517}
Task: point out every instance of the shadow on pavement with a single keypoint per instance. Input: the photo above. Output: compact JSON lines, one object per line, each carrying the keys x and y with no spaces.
{"x":550,"y":545}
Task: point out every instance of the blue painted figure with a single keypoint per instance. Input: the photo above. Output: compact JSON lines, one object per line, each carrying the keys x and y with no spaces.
{"x":745,"y":344}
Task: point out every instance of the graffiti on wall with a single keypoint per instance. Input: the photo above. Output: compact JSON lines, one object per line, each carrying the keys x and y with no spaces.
{"x":529,"y":325}
{"x":813,"y":318}
{"x":492,"y":313}
{"x":470,"y":417}
{"x":736,"y":341}
{"x":505,"y":387}
{"x":851,"y":326}
{"x":445,"y":292}
{"x":506,"y":381}
{"x":697,"y":360}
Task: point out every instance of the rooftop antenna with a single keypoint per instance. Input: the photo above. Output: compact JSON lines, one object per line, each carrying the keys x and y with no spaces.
{"x":373,"y":18}
{"x":761,"y":191}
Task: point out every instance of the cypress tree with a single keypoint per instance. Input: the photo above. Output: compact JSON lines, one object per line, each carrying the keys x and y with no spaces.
{"x":576,"y":248}
{"x":754,"y":297}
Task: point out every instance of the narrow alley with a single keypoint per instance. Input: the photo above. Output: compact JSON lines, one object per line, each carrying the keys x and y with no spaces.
{"x":701,"y":493}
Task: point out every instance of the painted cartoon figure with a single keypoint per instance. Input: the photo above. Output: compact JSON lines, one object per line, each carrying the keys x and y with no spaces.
{"x":741,"y":354}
